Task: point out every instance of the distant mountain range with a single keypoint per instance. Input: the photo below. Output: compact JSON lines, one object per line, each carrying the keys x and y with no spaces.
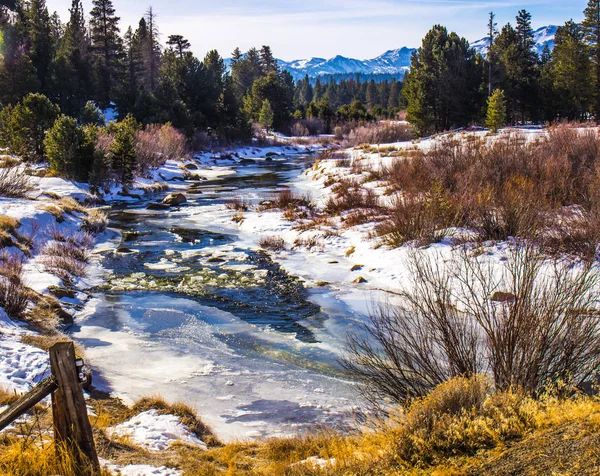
{"x":396,"y":62}
{"x":542,"y":37}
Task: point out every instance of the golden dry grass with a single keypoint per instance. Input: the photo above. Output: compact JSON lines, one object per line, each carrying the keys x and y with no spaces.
{"x":462,"y":428}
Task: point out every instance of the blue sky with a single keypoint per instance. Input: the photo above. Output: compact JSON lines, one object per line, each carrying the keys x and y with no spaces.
{"x":304,"y":28}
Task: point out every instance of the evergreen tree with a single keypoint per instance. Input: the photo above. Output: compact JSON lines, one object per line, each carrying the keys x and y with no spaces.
{"x":492,"y":33}
{"x":496,"y":111}
{"x":371,"y":95}
{"x":25,"y":125}
{"x":266,"y":115}
{"x":107,"y":48}
{"x":571,"y":71}
{"x":91,"y":115}
{"x":123,"y":152}
{"x":41,"y":42}
{"x":18,"y":76}
{"x":73,"y":76}
{"x":591,"y":26}
{"x":443,"y":87}
{"x":180,"y":45}
{"x":69,"y":151}
{"x":393,"y":102}
{"x":267,"y":60}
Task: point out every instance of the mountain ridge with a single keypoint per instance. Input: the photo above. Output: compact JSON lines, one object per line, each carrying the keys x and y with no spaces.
{"x":394,"y":61}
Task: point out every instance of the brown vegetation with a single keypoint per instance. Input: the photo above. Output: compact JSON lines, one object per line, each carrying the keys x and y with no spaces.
{"x":272,"y":243}
{"x":449,"y":323}
{"x":14,"y":183}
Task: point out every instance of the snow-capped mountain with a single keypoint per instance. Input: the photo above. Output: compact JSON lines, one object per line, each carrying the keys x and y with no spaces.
{"x":396,"y":62}
{"x":542,"y":37}
{"x":391,"y":62}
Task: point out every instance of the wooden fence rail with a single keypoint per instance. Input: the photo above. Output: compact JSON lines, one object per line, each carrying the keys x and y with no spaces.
{"x":72,"y":429}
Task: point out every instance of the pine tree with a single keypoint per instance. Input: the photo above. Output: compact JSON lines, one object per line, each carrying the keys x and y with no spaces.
{"x":69,"y":151}
{"x":571,"y":71}
{"x":73,"y":76}
{"x":123,"y":153}
{"x":496,"y":111}
{"x":443,"y":86}
{"x":492,"y":33}
{"x":393,"y":102}
{"x":266,"y":115}
{"x":25,"y":126}
{"x":267,"y":60}
{"x":591,"y":27}
{"x":180,"y":44}
{"x":518,"y":74}
{"x":41,"y":42}
{"x":371,"y":95}
{"x":107,"y":48}
{"x":18,"y":76}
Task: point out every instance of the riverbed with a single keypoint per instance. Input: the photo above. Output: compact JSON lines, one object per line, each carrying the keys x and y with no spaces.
{"x":192,"y":311}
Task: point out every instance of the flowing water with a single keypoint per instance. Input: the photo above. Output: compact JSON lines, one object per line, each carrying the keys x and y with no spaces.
{"x":193,"y":313}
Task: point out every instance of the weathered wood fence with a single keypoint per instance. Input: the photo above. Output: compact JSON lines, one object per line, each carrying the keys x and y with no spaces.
{"x":72,"y":430}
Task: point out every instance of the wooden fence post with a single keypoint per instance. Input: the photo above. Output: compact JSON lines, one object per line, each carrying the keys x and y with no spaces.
{"x":72,"y":429}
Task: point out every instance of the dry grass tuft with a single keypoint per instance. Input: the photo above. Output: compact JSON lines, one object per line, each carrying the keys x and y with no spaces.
{"x":272,"y":243}
{"x":95,"y":221}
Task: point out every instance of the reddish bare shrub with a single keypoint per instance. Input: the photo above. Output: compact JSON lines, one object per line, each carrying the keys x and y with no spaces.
{"x":158,"y":143}
{"x":350,"y":195}
{"x":383,"y":132}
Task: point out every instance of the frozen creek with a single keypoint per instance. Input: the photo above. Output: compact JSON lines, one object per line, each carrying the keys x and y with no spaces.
{"x":194,"y":313}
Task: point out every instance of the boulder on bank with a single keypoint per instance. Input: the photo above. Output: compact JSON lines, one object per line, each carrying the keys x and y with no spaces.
{"x":174,"y":199}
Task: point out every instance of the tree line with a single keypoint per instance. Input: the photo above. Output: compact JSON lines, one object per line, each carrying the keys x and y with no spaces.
{"x":449,"y":84}
{"x":83,"y":61}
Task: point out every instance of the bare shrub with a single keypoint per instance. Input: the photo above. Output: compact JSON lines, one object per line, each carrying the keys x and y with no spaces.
{"x":383,"y":132}
{"x":421,"y":218}
{"x":11,"y":266}
{"x":238,"y":204}
{"x":158,"y":143}
{"x":310,"y":243}
{"x":286,"y":199}
{"x":449,"y":323}
{"x":350,"y":195}
{"x":14,"y":296}
{"x":67,"y":250}
{"x":510,"y":186}
{"x":67,"y":255}
{"x":80,"y":239}
{"x":64,"y":266}
{"x":272,"y":243}
{"x":14,"y":183}
{"x":299,"y":130}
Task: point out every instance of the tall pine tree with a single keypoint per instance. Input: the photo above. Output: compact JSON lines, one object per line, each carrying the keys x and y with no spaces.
{"x":107,"y":48}
{"x":591,"y":28}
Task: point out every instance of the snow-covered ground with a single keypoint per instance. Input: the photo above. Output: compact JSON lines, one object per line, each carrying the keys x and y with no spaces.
{"x":198,"y":353}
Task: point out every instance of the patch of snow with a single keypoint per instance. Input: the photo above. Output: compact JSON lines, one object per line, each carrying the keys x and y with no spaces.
{"x":21,"y":365}
{"x":156,"y":432}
